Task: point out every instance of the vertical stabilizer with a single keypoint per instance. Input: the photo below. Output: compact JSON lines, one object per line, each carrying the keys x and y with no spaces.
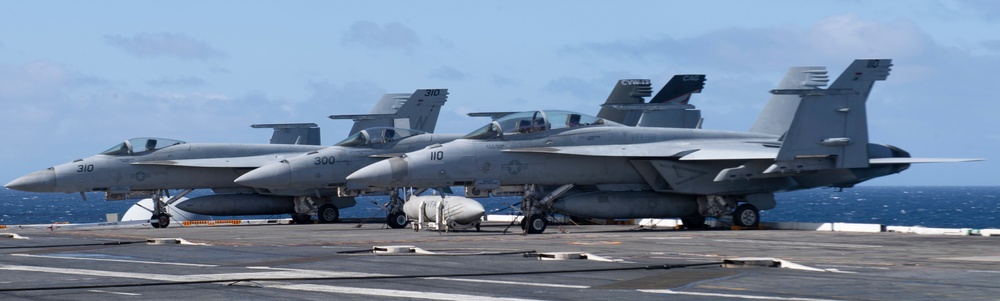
{"x":777,"y":115}
{"x":679,"y":89}
{"x":830,"y":127}
{"x":626,"y":91}
{"x":389,"y":103}
{"x":669,"y":108}
{"x":421,"y":111}
{"x":417,"y":111}
{"x":292,"y":133}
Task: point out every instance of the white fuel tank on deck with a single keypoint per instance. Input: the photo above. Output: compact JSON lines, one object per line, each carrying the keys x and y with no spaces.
{"x":627,"y":204}
{"x":143,"y":210}
{"x":458,"y":209}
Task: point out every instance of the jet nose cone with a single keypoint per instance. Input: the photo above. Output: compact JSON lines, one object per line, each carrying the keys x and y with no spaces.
{"x":39,"y":181}
{"x":271,"y":176}
{"x":377,"y":174}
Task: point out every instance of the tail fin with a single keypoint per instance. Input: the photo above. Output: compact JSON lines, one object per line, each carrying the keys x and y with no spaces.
{"x":669,"y":108}
{"x":679,"y":89}
{"x":626,"y":91}
{"x":417,"y":111}
{"x":292,"y":133}
{"x":830,"y":127}
{"x":780,"y":109}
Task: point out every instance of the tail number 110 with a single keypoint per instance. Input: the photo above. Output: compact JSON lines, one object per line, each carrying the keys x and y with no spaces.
{"x":437,"y":156}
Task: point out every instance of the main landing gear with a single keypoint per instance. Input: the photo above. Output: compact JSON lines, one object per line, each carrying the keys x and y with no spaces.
{"x":327,"y":214}
{"x":535,"y":211}
{"x":396,"y":218}
{"x":746,"y":215}
{"x":161,"y":217}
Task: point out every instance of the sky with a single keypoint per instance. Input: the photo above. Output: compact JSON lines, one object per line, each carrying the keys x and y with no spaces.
{"x":77,"y":77}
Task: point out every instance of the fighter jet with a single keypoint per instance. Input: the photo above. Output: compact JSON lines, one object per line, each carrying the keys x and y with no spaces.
{"x":328,"y":168}
{"x":579,"y":165}
{"x":149,"y":167}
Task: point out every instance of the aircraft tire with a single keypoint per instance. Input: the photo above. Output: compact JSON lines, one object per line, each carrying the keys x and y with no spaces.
{"x":693,"y":222}
{"x":746,"y":215}
{"x":535,"y":224}
{"x":301,"y":218}
{"x":327,"y":214}
{"x":397,"y":220}
{"x":160,"y":221}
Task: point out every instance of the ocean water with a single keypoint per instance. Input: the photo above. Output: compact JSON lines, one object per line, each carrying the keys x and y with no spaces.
{"x":937,"y":207}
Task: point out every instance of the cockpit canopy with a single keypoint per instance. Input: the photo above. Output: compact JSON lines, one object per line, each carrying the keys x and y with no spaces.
{"x":536,"y":121}
{"x":378,"y":135}
{"x":140,"y":145}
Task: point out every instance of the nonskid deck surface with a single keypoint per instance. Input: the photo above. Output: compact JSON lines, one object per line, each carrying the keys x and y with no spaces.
{"x":334,"y":261}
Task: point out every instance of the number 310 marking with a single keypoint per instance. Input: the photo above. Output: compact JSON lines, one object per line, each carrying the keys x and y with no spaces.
{"x":85,"y":168}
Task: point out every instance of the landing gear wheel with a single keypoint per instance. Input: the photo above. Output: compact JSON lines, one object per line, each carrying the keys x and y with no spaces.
{"x":397,"y":220}
{"x":301,"y":218}
{"x":535,"y":224}
{"x":746,"y":215}
{"x":693,"y":222}
{"x":160,"y":221}
{"x":327,"y":214}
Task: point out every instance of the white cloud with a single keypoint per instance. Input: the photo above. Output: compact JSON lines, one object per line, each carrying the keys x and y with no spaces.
{"x":153,"y":44}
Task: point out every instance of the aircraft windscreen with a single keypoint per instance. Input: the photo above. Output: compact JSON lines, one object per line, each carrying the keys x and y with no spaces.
{"x":533,"y":122}
{"x":140,"y":145}
{"x":357,"y":139}
{"x":378,"y":135}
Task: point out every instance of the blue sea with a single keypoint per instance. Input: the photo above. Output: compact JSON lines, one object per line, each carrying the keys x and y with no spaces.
{"x":935,"y":207}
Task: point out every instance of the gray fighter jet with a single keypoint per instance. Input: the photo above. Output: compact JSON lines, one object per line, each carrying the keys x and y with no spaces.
{"x":328,"y":168}
{"x":149,"y":167}
{"x":578,"y":165}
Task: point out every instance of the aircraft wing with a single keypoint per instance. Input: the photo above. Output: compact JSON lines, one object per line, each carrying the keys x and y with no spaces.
{"x":681,"y":149}
{"x":920,"y":160}
{"x":229,"y":162}
{"x":605,"y":151}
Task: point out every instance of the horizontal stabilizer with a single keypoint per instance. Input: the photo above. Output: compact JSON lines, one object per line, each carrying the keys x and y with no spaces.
{"x":360,"y":117}
{"x":418,"y":111}
{"x":493,"y":115}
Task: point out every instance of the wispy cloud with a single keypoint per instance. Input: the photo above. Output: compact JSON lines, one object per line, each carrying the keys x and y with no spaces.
{"x":448,"y":73}
{"x":993,"y":45}
{"x":576,"y":87}
{"x":176,"y":45}
{"x":757,"y":49}
{"x":181,"y":81}
{"x":988,"y":10}
{"x":40,"y":81}
{"x":391,"y":36}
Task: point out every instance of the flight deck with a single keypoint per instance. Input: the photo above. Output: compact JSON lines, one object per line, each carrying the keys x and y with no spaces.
{"x":593,"y":262}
